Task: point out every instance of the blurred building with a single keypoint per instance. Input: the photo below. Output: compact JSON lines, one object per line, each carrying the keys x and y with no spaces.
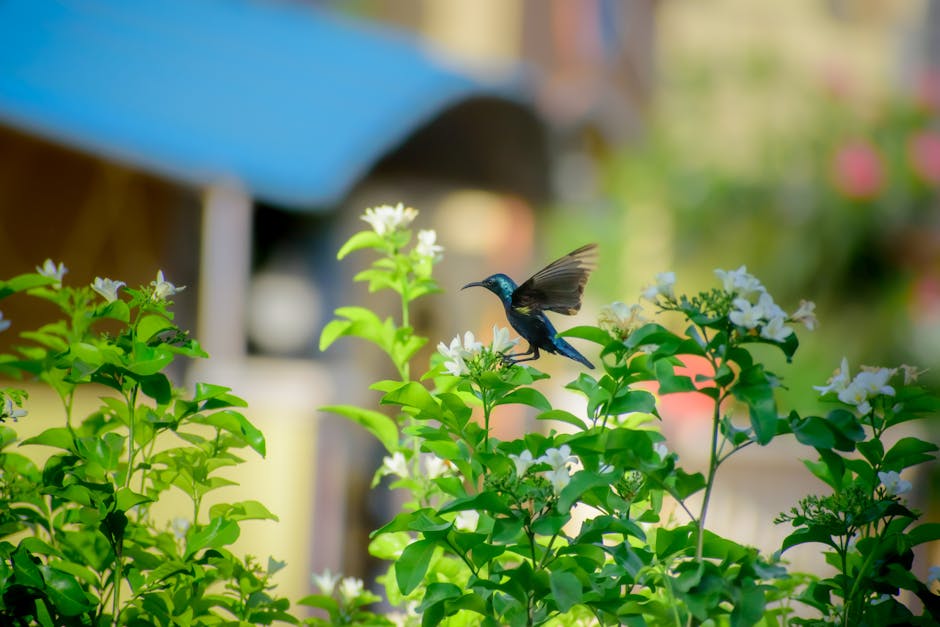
{"x":235,"y":144}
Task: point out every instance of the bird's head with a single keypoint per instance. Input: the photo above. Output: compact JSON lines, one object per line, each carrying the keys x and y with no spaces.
{"x":499,"y":284}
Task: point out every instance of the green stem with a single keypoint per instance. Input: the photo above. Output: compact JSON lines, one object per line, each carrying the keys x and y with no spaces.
{"x":713,"y":462}
{"x":131,"y":419}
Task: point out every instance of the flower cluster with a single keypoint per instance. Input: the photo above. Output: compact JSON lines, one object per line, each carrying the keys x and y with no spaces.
{"x":620,"y":319}
{"x":664,"y":287}
{"x":754,"y":309}
{"x":350,"y":589}
{"x":387,"y":219}
{"x":559,"y":460}
{"x":867,"y":384}
{"x":427,"y":246}
{"x":397,"y":465}
{"x":470,"y":356}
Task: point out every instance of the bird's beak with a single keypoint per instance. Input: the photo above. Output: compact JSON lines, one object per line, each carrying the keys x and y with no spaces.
{"x":474,"y":284}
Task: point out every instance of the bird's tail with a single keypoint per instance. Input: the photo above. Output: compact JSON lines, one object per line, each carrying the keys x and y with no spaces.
{"x":568,"y":350}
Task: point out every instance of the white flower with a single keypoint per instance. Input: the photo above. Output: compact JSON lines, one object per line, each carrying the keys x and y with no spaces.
{"x":4,"y":324}
{"x":107,"y":288}
{"x":350,"y":588}
{"x":559,"y":460}
{"x":467,"y":520}
{"x":894,"y":485}
{"x":501,"y":340}
{"x":427,"y":246}
{"x":664,"y":286}
{"x":745,"y":314}
{"x":387,"y":219}
{"x":457,"y":353}
{"x":11,"y":411}
{"x":875,"y":380}
{"x":855,"y":394}
{"x":933,"y":575}
{"x":769,"y":309}
{"x":662,"y":450}
{"x":838,"y":381}
{"x":522,"y":461}
{"x":739,"y":282}
{"x":558,"y":477}
{"x":558,"y":457}
{"x":162,"y":289}
{"x":52,"y":271}
{"x":395,"y":465}
{"x":776,"y":330}
{"x":620,"y":319}
{"x":435,"y":467}
{"x":806,"y":314}
{"x":325,"y":582}
{"x":911,"y":373}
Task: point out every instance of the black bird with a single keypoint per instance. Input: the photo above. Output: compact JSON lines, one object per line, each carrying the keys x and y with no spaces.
{"x":556,"y":287}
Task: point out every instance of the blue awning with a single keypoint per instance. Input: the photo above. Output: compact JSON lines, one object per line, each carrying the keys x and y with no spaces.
{"x":295,"y":103}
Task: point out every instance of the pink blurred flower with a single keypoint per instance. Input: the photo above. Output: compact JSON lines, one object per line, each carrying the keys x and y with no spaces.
{"x":858,"y":170}
{"x":924,"y":152}
{"x":927,"y":90}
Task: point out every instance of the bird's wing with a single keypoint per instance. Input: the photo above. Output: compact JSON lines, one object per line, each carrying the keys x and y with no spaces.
{"x":559,"y":285}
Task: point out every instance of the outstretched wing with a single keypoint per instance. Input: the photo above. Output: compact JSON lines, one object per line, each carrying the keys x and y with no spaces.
{"x":559,"y":285}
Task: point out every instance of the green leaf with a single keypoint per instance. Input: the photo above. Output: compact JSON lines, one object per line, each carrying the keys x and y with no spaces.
{"x":360,"y":240}
{"x":381,"y":426}
{"x":148,"y":360}
{"x":333,"y":330}
{"x":566,"y":589}
{"x":806,"y":535}
{"x":218,"y":533}
{"x":65,"y":592}
{"x":104,"y":451}
{"x":907,"y":452}
{"x":157,"y":387}
{"x":25,"y":570}
{"x":116,"y":310}
{"x":23,"y":282}
{"x":243,"y":510}
{"x":59,"y":437}
{"x":126,"y":499}
{"x":413,"y":394}
{"x":926,"y":532}
{"x":413,"y":564}
{"x":632,"y":401}
{"x":526,"y":396}
{"x":150,"y":325}
{"x":591,"y":334}
{"x":755,"y":389}
{"x":813,"y":431}
{"x":562,"y":416}
{"x":669,"y":381}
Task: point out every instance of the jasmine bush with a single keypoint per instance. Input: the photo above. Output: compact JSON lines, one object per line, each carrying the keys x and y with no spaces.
{"x":566,"y":526}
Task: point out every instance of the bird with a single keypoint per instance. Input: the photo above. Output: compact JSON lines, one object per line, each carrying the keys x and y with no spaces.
{"x":557,"y":287}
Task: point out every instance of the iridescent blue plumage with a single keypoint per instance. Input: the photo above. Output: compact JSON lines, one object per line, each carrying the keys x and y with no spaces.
{"x":557,"y":287}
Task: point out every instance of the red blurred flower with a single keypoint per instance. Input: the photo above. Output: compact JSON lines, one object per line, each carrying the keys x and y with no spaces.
{"x":924,"y":152}
{"x":858,"y":170}
{"x":927,"y":90}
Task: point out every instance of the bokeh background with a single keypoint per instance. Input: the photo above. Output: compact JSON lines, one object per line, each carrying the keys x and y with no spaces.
{"x":235,"y":144}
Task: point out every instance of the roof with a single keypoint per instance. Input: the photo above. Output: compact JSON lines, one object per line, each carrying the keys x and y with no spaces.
{"x":295,"y":103}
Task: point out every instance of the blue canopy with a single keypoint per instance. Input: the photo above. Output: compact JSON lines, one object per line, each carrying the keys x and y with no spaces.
{"x":295,"y":103}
